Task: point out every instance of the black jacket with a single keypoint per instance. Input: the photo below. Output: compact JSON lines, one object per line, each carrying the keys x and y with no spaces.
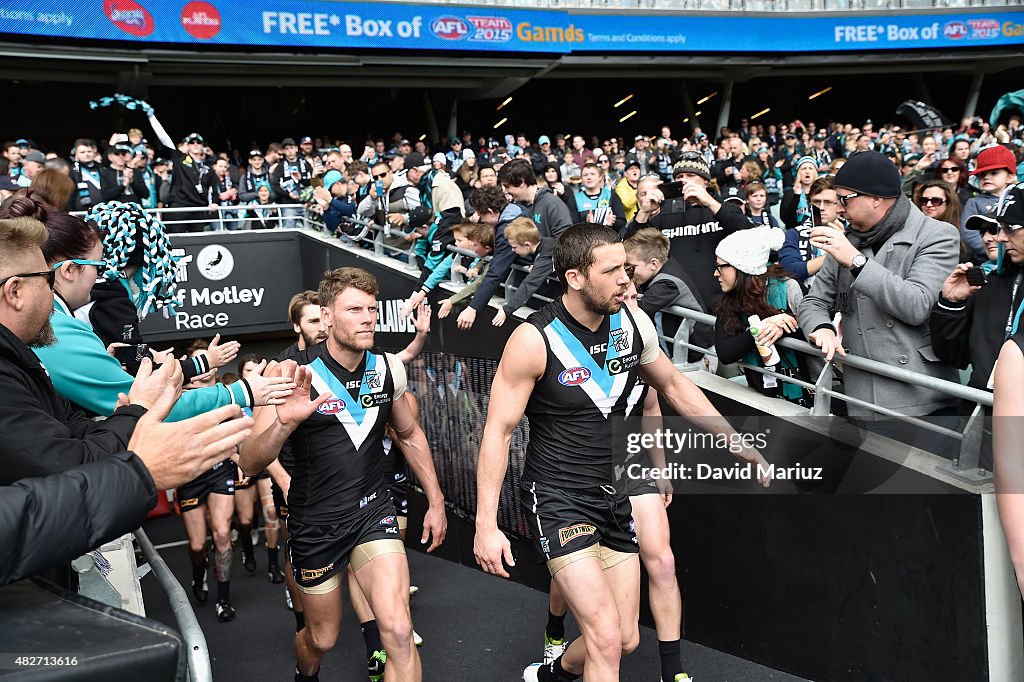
{"x":694,"y":232}
{"x":40,"y":432}
{"x":62,"y":516}
{"x":971,"y":332}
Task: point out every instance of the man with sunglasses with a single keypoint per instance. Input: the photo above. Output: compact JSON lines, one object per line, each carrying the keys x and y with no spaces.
{"x":970,"y":322}
{"x":127,"y":458}
{"x":884,"y":275}
{"x":995,"y":169}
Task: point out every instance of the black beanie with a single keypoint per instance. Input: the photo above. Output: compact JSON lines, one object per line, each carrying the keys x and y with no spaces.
{"x":870,"y":173}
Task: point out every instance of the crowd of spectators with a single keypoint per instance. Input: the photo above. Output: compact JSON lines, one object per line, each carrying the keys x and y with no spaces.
{"x":674,"y":200}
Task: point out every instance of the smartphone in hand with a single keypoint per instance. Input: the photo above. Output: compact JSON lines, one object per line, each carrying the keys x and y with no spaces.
{"x":976,"y":277}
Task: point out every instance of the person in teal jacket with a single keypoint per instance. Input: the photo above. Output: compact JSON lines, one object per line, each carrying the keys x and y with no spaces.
{"x":78,"y":363}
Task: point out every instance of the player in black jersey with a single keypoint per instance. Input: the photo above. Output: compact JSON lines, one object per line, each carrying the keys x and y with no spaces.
{"x":339,"y":509}
{"x":308,"y":324}
{"x":649,"y":500}
{"x":570,"y":370}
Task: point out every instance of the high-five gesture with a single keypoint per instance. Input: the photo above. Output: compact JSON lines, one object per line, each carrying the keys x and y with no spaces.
{"x":298,"y":406}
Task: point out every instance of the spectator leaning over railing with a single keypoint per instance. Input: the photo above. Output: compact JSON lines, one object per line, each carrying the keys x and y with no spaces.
{"x":884,"y":275}
{"x":475,"y":237}
{"x":491,"y":208}
{"x":969,"y":322}
{"x":662,"y":282}
{"x":524,"y":238}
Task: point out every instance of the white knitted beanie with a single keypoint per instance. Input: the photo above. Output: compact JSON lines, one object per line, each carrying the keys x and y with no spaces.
{"x":747,"y":250}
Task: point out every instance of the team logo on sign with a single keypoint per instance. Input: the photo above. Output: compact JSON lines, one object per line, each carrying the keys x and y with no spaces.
{"x":955,"y":30}
{"x":201,"y":20}
{"x":215,"y":262}
{"x":567,"y":535}
{"x":130,"y":17}
{"x":332,"y":406}
{"x":574,"y":376}
{"x":984,"y":29}
{"x":490,"y":29}
{"x":449,"y":28}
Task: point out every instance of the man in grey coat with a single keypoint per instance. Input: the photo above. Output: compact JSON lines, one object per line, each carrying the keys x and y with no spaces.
{"x":884,"y":275}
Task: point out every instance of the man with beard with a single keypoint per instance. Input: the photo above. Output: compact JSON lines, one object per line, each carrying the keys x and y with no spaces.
{"x":115,"y":467}
{"x":571,"y":370}
{"x":340,"y":510}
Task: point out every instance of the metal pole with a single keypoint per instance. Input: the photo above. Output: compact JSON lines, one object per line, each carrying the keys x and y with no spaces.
{"x":198,"y":653}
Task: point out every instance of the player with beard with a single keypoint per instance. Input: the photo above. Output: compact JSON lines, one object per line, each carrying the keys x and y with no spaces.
{"x":340,"y":510}
{"x":304,"y":314}
{"x":571,"y":371}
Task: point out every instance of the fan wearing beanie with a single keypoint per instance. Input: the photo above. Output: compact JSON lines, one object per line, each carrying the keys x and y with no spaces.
{"x":883,"y":274}
{"x":751,"y":287}
{"x":795,"y":208}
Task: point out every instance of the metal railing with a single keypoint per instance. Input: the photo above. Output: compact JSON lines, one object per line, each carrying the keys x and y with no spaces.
{"x":964,"y":467}
{"x":766,"y":6}
{"x":198,"y":655}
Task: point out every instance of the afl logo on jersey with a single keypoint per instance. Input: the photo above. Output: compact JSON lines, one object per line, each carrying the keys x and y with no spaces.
{"x":574,"y":376}
{"x":332,"y":406}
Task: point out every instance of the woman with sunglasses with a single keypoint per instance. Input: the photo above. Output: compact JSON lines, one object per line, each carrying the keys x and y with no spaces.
{"x":937,"y":199}
{"x":78,"y":363}
{"x":750,"y":286}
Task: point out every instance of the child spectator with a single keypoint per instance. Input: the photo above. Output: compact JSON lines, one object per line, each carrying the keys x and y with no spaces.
{"x":524,"y":238}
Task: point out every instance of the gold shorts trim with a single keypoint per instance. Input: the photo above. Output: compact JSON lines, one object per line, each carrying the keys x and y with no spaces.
{"x":608,"y":557}
{"x":366,"y":552}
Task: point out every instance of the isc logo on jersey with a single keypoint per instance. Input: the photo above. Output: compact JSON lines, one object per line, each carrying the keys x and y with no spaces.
{"x":449,"y":28}
{"x":574,"y":376}
{"x":332,"y":406}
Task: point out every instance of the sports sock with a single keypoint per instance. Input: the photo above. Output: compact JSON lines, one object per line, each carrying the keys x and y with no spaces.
{"x":300,"y":620}
{"x":556,"y":626}
{"x":272,"y":556}
{"x":555,"y":673}
{"x":245,"y":537}
{"x":371,"y":635}
{"x":671,"y":664}
{"x":224,"y":590}
{"x":299,"y":677}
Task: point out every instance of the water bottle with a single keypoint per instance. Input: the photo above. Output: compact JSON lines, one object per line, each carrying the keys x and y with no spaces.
{"x":769,"y":354}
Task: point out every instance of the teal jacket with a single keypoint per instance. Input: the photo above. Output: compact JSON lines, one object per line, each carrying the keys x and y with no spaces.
{"x":83,"y":372}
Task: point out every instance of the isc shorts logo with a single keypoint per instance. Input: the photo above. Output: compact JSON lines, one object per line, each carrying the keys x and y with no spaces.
{"x":449,"y":28}
{"x":567,"y":535}
{"x":367,"y":500}
{"x":308,"y":574}
{"x":574,"y":376}
{"x":201,"y":20}
{"x":332,"y":406}
{"x":387,"y":521}
{"x":955,"y":30}
{"x":130,"y":17}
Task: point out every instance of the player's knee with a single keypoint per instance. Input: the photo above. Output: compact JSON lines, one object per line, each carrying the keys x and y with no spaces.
{"x":321,"y":638}
{"x":397,"y":628}
{"x":606,"y":643}
{"x":197,"y":547}
{"x":221,"y":537}
{"x":661,"y":566}
{"x":630,"y":641}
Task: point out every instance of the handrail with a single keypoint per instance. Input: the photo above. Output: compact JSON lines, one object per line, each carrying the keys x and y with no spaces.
{"x":199,"y":668}
{"x":950,"y":388}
